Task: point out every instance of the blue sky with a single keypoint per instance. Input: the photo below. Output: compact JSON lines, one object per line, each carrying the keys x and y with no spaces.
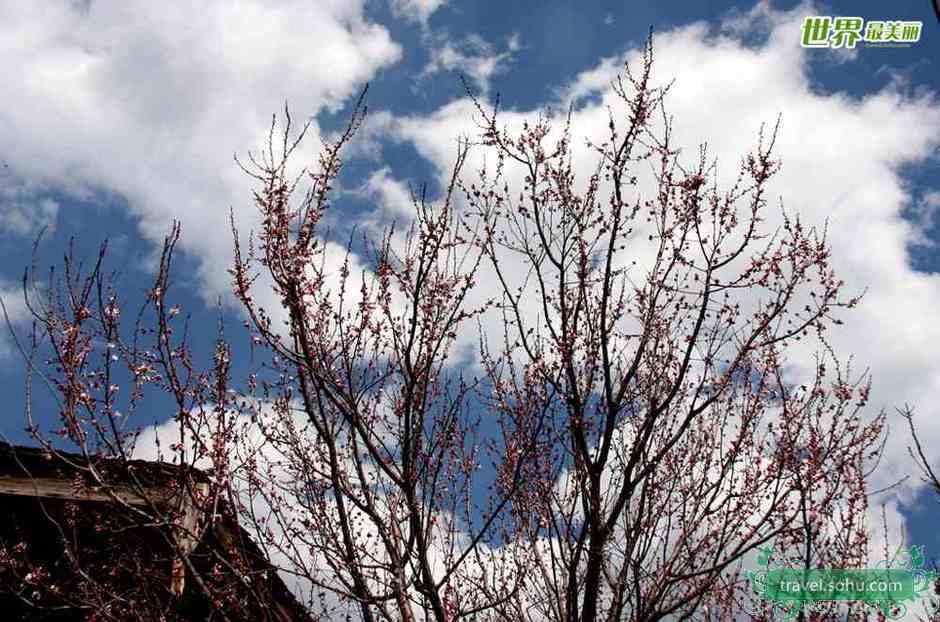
{"x":118,"y":117}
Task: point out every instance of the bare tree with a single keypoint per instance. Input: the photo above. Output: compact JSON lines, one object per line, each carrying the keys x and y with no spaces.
{"x":928,"y":472}
{"x":88,"y":531}
{"x":675,"y":445}
{"x":374,"y":429}
{"x":644,"y":435}
{"x":928,"y":475}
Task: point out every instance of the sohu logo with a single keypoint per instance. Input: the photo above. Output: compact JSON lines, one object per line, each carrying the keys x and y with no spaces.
{"x":822,"y":31}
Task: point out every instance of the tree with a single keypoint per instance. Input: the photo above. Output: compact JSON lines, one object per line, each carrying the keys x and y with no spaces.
{"x":664,"y":462}
{"x":928,"y":475}
{"x":94,"y":534}
{"x":643,"y":436}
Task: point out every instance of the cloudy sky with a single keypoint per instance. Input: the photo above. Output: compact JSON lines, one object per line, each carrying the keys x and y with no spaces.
{"x":118,"y":117}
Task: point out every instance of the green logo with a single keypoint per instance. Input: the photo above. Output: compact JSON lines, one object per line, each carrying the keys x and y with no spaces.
{"x":885,"y":587}
{"x":846,"y":32}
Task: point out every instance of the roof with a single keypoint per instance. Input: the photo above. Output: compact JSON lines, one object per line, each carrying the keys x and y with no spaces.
{"x":138,"y":548}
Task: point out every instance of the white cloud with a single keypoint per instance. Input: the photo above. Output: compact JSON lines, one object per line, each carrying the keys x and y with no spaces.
{"x":416,"y":10}
{"x":150,"y":100}
{"x":472,"y":56}
{"x":924,"y":217}
{"x":393,"y":195}
{"x":13,"y":309}
{"x":24,"y":215}
{"x":25,"y":207}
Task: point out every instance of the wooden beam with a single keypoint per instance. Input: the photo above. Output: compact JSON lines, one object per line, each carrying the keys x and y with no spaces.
{"x":187,"y":536}
{"x":54,"y":488}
